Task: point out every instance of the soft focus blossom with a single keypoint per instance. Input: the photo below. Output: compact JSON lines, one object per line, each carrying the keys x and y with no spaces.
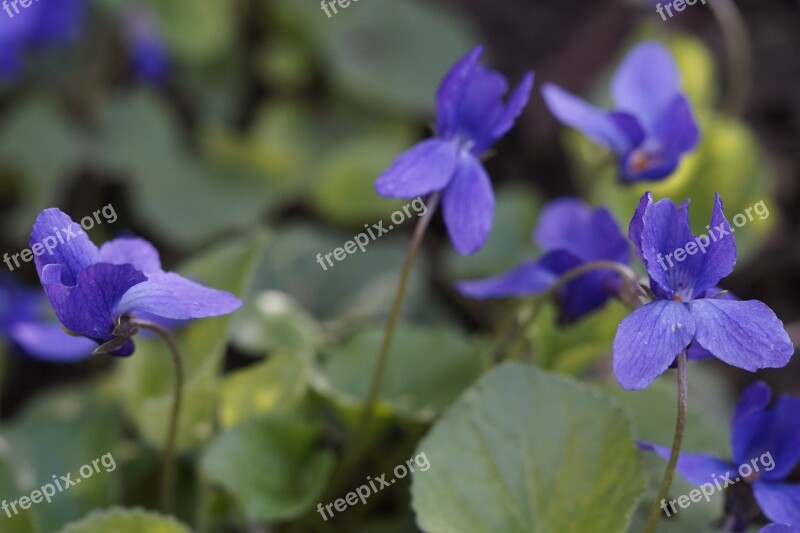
{"x":571,"y":234}
{"x":471,"y":118}
{"x":91,"y":290}
{"x":651,"y":126}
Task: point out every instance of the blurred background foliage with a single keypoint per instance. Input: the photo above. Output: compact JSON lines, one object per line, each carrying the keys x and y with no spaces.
{"x":257,"y":151}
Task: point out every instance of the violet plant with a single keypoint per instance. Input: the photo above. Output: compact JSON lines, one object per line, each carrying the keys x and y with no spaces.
{"x":293,"y":411}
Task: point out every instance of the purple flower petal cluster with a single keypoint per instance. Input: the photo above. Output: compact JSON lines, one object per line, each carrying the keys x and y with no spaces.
{"x":91,"y":289}
{"x":652,"y":125}
{"x":472,"y":116}
{"x":43,"y":23}
{"x":571,"y":234}
{"x":758,"y":429}
{"x":745,"y":334}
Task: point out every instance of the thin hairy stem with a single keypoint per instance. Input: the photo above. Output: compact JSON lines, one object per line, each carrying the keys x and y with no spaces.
{"x":168,"y":473}
{"x":655,"y":515}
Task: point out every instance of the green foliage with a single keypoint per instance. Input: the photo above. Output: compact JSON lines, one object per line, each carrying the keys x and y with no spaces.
{"x":119,"y":520}
{"x":88,"y":422}
{"x":524,"y":450}
{"x":428,"y":368}
{"x":271,"y":466}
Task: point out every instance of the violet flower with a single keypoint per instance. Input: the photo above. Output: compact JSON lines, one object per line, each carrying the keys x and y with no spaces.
{"x":95,"y":292}
{"x":571,"y":234}
{"x":652,"y":125}
{"x":765,"y":443}
{"x":744,"y":334}
{"x":147,"y":50}
{"x":41,"y":24}
{"x":471,"y":118}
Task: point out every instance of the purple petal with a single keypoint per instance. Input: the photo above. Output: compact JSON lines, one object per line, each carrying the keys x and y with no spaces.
{"x":516,"y":103}
{"x":450,"y":93}
{"x":429,"y":166}
{"x":532,"y":277}
{"x":131,"y":251}
{"x":587,"y":293}
{"x":87,"y":308}
{"x":779,"y":528}
{"x":591,"y":234}
{"x":696,"y":468}
{"x":468,"y":206}
{"x":58,"y":21}
{"x":744,"y":334}
{"x":68,"y":245}
{"x":697,"y":352}
{"x":648,"y":341}
{"x":146,"y":46}
{"x":720,"y":256}
{"x":169,"y":295}
{"x":636,"y":227}
{"x":758,"y":431}
{"x":677,"y":128}
{"x":49,"y":342}
{"x":754,"y":398}
{"x":665,"y":230}
{"x":616,"y":131}
{"x":646,"y":83}
{"x":480,"y":108}
{"x":779,"y":501}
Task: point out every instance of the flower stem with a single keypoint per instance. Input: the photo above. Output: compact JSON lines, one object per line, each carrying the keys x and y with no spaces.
{"x":388,"y":336}
{"x":740,"y":54}
{"x":168,"y":474}
{"x":655,"y":515}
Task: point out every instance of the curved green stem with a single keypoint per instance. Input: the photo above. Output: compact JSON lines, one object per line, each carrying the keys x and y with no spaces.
{"x":655,"y":515}
{"x":572,"y":275}
{"x":168,"y":474}
{"x":359,"y":439}
{"x":740,"y":54}
{"x":394,"y":316}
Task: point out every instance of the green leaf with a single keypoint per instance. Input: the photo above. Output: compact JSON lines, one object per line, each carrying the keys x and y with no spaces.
{"x":198,"y":31}
{"x":31,"y":130}
{"x":428,"y":368}
{"x":119,"y":520}
{"x":276,"y":385}
{"x":573,"y":347}
{"x":372,"y":52}
{"x":86,"y":420}
{"x":271,"y":466}
{"x":173,"y":193}
{"x":528,"y":451}
{"x":345,"y":193}
{"x":146,"y":378}
{"x":274,"y":321}
{"x":290,"y":265}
